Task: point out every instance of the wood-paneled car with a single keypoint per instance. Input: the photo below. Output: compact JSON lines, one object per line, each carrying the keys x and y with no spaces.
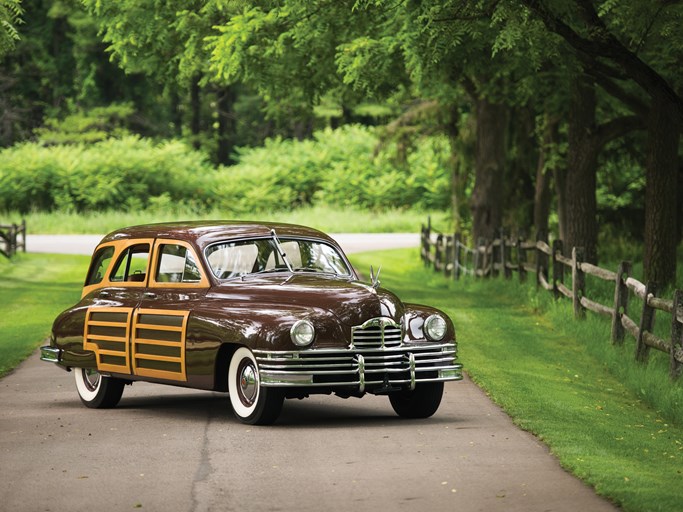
{"x":263,"y":311}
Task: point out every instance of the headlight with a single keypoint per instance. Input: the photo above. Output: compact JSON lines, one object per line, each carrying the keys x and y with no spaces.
{"x":435,"y":328}
{"x":302,"y":333}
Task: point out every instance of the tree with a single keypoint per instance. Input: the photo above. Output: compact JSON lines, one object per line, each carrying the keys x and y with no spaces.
{"x":641,"y":42}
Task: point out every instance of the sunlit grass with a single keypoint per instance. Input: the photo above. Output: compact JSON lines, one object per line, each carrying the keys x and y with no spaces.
{"x":325,"y":218}
{"x":34,"y":289}
{"x":561,"y":380}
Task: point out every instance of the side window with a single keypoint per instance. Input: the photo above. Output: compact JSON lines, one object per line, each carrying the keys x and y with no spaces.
{"x":132,"y":264}
{"x":177,"y":265}
{"x":99,"y":265}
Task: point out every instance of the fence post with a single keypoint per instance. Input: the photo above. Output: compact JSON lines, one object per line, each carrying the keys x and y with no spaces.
{"x":676,"y":366}
{"x":504,"y":254}
{"x":647,"y":322}
{"x":425,"y":245}
{"x":558,"y":268}
{"x":438,"y":252}
{"x":578,"y":282}
{"x":23,"y":235}
{"x":620,"y":302}
{"x":521,"y":260}
{"x":541,"y":259}
{"x":456,"y":256}
{"x":448,"y":256}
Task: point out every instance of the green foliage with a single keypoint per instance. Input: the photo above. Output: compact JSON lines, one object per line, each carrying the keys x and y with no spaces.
{"x":10,"y":15}
{"x":336,"y":167}
{"x":87,"y":126}
{"x":105,"y":175}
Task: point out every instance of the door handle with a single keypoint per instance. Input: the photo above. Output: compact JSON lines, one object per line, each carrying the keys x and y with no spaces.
{"x":104,"y":295}
{"x":149,"y":295}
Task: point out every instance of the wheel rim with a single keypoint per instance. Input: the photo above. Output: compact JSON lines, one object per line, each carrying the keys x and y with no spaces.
{"x":247,"y":383}
{"x":91,"y":379}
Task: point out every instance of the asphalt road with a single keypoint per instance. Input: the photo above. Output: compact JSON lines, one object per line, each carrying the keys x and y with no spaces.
{"x":170,"y":449}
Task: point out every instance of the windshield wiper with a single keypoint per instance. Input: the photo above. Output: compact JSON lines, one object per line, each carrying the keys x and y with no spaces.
{"x":280,"y":250}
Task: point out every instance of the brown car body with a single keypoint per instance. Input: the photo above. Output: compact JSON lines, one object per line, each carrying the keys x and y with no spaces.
{"x":157,"y":306}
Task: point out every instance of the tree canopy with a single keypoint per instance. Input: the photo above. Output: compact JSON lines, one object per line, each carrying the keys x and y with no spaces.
{"x":555,"y":111}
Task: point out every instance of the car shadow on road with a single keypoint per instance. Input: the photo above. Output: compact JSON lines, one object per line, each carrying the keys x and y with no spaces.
{"x":322,"y":413}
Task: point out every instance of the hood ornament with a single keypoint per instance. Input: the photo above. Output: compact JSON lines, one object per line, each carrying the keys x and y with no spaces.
{"x":375,"y":277}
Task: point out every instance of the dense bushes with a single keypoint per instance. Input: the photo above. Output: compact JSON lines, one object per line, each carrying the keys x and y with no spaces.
{"x":337,"y":167}
{"x":111,"y":174}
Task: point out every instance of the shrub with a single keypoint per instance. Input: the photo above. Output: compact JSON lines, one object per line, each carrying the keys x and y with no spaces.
{"x":104,"y":175}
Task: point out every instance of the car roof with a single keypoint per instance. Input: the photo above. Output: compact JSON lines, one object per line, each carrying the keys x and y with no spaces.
{"x":203,"y":233}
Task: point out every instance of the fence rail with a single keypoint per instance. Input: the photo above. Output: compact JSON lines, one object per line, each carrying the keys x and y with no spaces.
{"x":504,"y":256}
{"x":10,"y":242}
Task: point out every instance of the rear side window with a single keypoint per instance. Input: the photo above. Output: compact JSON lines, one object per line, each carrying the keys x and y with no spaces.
{"x":131,"y":265}
{"x":100,"y":263}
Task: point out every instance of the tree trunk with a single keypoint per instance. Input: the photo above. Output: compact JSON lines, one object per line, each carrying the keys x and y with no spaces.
{"x":661,"y":230}
{"x":195,"y":109}
{"x":227,"y":126}
{"x":486,"y":202}
{"x":543,"y":176}
{"x":582,"y":161}
{"x":457,"y":192}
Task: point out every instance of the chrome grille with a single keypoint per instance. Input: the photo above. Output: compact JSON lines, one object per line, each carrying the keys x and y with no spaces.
{"x":376,"y":333}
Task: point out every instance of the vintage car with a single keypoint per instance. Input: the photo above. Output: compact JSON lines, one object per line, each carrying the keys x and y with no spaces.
{"x":263,"y":311}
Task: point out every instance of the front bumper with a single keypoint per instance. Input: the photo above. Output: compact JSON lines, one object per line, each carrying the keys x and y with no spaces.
{"x":362,"y":369}
{"x":50,"y":354}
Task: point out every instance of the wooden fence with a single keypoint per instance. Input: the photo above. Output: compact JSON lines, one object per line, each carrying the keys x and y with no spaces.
{"x":504,"y":256}
{"x":10,"y":243}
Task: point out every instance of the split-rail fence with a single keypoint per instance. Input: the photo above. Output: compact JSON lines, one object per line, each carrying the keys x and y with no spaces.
{"x":504,"y":256}
{"x":12,"y":239}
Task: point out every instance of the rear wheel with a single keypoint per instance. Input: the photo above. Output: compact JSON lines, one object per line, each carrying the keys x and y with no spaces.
{"x":97,"y":391}
{"x":421,"y":402}
{"x":251,"y":403}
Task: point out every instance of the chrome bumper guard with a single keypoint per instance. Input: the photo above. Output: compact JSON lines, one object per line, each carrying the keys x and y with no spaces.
{"x":50,"y":354}
{"x":405,"y":366}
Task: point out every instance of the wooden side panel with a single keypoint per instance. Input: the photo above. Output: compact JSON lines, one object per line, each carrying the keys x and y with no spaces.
{"x":106,"y":333}
{"x":158,"y":346}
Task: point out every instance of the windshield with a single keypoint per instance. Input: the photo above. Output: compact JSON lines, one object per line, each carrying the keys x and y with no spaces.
{"x":228,"y":260}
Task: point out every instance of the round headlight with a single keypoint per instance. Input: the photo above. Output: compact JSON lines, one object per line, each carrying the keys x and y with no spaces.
{"x":302,"y":333}
{"x":435,"y":328}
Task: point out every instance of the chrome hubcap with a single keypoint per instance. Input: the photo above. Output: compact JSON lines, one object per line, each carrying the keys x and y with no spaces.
{"x":248,"y":383}
{"x":91,"y":378}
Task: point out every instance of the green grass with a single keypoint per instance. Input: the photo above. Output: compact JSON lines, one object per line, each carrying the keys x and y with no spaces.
{"x":555,"y":378}
{"x":326,"y":218}
{"x":34,"y":289}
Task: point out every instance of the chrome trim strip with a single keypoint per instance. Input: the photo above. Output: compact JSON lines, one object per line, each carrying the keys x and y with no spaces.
{"x":412,"y":371}
{"x":361,"y":373}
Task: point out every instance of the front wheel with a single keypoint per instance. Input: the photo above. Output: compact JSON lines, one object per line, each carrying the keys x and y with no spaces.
{"x":421,"y":402}
{"x":252,"y":404}
{"x":97,"y":391}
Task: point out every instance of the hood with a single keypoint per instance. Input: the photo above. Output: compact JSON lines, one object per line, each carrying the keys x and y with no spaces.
{"x":352,"y":302}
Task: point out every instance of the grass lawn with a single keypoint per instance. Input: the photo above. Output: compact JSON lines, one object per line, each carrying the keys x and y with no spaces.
{"x":34,"y":289}
{"x":326,"y":218}
{"x":555,"y":377}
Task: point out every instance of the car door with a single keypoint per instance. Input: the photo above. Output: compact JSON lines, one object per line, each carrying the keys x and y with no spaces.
{"x":113,"y":290}
{"x":160,"y":323}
